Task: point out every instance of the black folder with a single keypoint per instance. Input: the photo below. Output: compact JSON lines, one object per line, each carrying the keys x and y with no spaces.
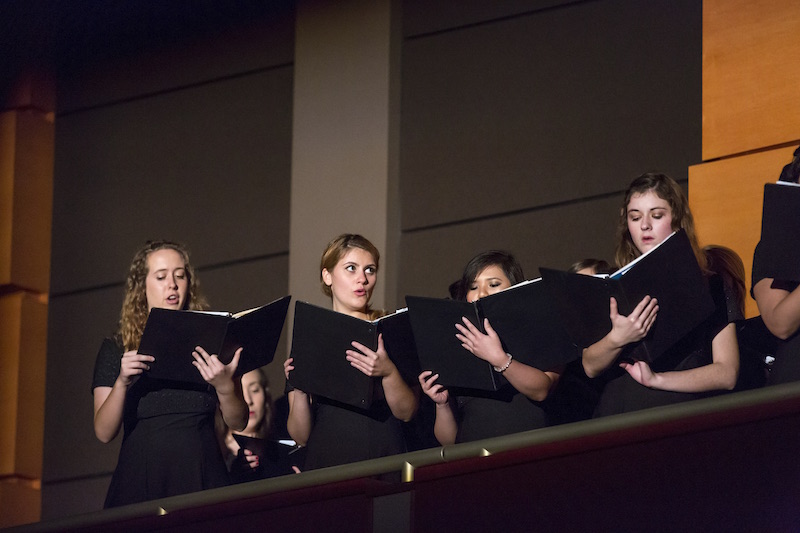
{"x":521,"y":315}
{"x":276,"y":457}
{"x":780,"y":231}
{"x":319,"y":342}
{"x":668,"y":272}
{"x":170,"y":336}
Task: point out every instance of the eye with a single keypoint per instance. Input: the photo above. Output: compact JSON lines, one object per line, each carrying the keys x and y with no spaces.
{"x":180,"y":275}
{"x":370,"y":270}
{"x":494,"y":284}
{"x":350,"y":268}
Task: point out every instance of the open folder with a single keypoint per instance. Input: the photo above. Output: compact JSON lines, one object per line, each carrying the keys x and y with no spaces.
{"x":319,"y":342}
{"x":170,"y":336}
{"x":669,"y":272}
{"x":780,"y":231}
{"x":523,"y":318}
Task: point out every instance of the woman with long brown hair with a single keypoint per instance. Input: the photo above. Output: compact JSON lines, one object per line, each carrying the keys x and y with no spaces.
{"x":169,"y":445}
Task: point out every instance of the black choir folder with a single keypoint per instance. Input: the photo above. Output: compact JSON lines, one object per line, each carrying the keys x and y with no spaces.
{"x":521,"y":315}
{"x":322,"y":336}
{"x":780,"y":231}
{"x":170,"y":336}
{"x":276,"y":457}
{"x":668,"y":272}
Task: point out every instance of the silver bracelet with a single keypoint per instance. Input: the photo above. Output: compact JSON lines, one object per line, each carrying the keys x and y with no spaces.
{"x":505,"y":366}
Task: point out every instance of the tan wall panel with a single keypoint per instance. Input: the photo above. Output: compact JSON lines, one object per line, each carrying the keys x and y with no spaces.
{"x":726,"y":198}
{"x":10,"y":327}
{"x":20,"y":501}
{"x":751,"y":71}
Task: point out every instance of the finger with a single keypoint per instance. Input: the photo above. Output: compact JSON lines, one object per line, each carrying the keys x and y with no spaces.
{"x":613,"y":310}
{"x":488,"y":327}
{"x":470,"y":326}
{"x":234,"y":364}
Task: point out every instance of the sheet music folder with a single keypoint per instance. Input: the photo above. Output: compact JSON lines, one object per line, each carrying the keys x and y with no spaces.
{"x":319,"y":342}
{"x":668,"y":272}
{"x":780,"y":231}
{"x":171,"y":335}
{"x":523,"y":318}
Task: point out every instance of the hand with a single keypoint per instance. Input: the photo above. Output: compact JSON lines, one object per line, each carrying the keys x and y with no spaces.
{"x":132,"y":365}
{"x":372,"y":363}
{"x":483,"y":346}
{"x":288,"y":367}
{"x":435,"y":391}
{"x":214,"y":372}
{"x":641,"y":372}
{"x":251,"y":458}
{"x":634,"y":327}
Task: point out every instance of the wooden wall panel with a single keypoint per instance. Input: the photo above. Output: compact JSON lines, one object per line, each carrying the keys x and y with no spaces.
{"x":726,"y":197}
{"x":751,"y":72}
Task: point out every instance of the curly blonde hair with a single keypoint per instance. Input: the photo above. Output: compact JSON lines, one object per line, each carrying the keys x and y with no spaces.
{"x":134,"y":306}
{"x":337,"y":249}
{"x":667,"y":189}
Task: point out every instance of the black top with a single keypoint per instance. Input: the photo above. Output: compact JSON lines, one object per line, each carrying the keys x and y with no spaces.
{"x":786,"y":367}
{"x":169,"y":446}
{"x":483,"y":415}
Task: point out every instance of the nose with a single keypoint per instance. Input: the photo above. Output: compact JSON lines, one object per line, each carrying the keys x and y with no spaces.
{"x":362,"y":277}
{"x":173,"y":282}
{"x":646,"y":222}
{"x":482,"y":291}
{"x":247,"y":399}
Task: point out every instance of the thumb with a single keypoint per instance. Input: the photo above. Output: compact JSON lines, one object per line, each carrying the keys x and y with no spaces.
{"x":613,"y":310}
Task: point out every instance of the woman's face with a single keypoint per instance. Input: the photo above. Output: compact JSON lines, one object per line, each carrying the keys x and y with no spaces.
{"x":166,"y":284}
{"x":649,"y":220}
{"x":256,"y":398}
{"x":492,"y":279}
{"x":352,"y":281}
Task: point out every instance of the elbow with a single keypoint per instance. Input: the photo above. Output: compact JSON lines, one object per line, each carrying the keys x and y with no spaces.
{"x":591,"y":371}
{"x":103,"y":437}
{"x":782,"y":333}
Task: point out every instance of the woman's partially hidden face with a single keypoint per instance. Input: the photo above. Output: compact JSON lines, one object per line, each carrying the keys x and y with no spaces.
{"x":492,"y":279}
{"x":256,"y":398}
{"x":649,"y":220}
{"x":166,"y":284}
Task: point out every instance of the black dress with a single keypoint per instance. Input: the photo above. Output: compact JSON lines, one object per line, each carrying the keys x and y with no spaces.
{"x":786,"y":367}
{"x":492,"y":414}
{"x":622,"y":393}
{"x":169,"y":446}
{"x":344,"y":434}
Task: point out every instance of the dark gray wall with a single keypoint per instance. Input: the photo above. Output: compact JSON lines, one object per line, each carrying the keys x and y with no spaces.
{"x":524,"y":121}
{"x":521,"y":124}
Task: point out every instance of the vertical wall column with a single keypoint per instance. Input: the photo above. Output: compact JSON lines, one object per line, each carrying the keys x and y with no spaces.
{"x":344,"y":145}
{"x":26,"y":191}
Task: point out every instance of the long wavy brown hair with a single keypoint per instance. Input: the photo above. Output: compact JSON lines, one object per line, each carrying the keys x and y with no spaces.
{"x":667,"y":189}
{"x":134,"y":306}
{"x":337,"y":249}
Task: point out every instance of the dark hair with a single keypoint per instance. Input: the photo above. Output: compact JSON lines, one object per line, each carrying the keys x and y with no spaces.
{"x":134,"y":305}
{"x":507,"y":262}
{"x":727,"y":263}
{"x":598,"y":266}
{"x":667,"y":189}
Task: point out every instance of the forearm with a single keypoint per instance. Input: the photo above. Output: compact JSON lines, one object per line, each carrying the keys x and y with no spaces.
{"x":109,"y":411}
{"x":530,"y":381}
{"x":402,"y":400}
{"x":779,"y":309}
{"x":300,"y":422}
{"x":599,"y":356}
{"x":234,"y":410}
{"x":445,"y":427}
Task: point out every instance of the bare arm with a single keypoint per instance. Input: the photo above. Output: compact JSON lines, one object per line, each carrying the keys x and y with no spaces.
{"x":624,"y":330}
{"x":721,"y":374}
{"x":300,"y":419}
{"x":109,"y":402}
{"x":779,"y":309}
{"x":229,"y":389}
{"x":445,"y":427}
{"x":530,"y":381}
{"x":403,"y":401}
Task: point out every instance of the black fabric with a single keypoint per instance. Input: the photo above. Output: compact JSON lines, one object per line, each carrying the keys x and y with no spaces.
{"x":786,"y":367}
{"x":169,"y":446}
{"x":493,"y":414}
